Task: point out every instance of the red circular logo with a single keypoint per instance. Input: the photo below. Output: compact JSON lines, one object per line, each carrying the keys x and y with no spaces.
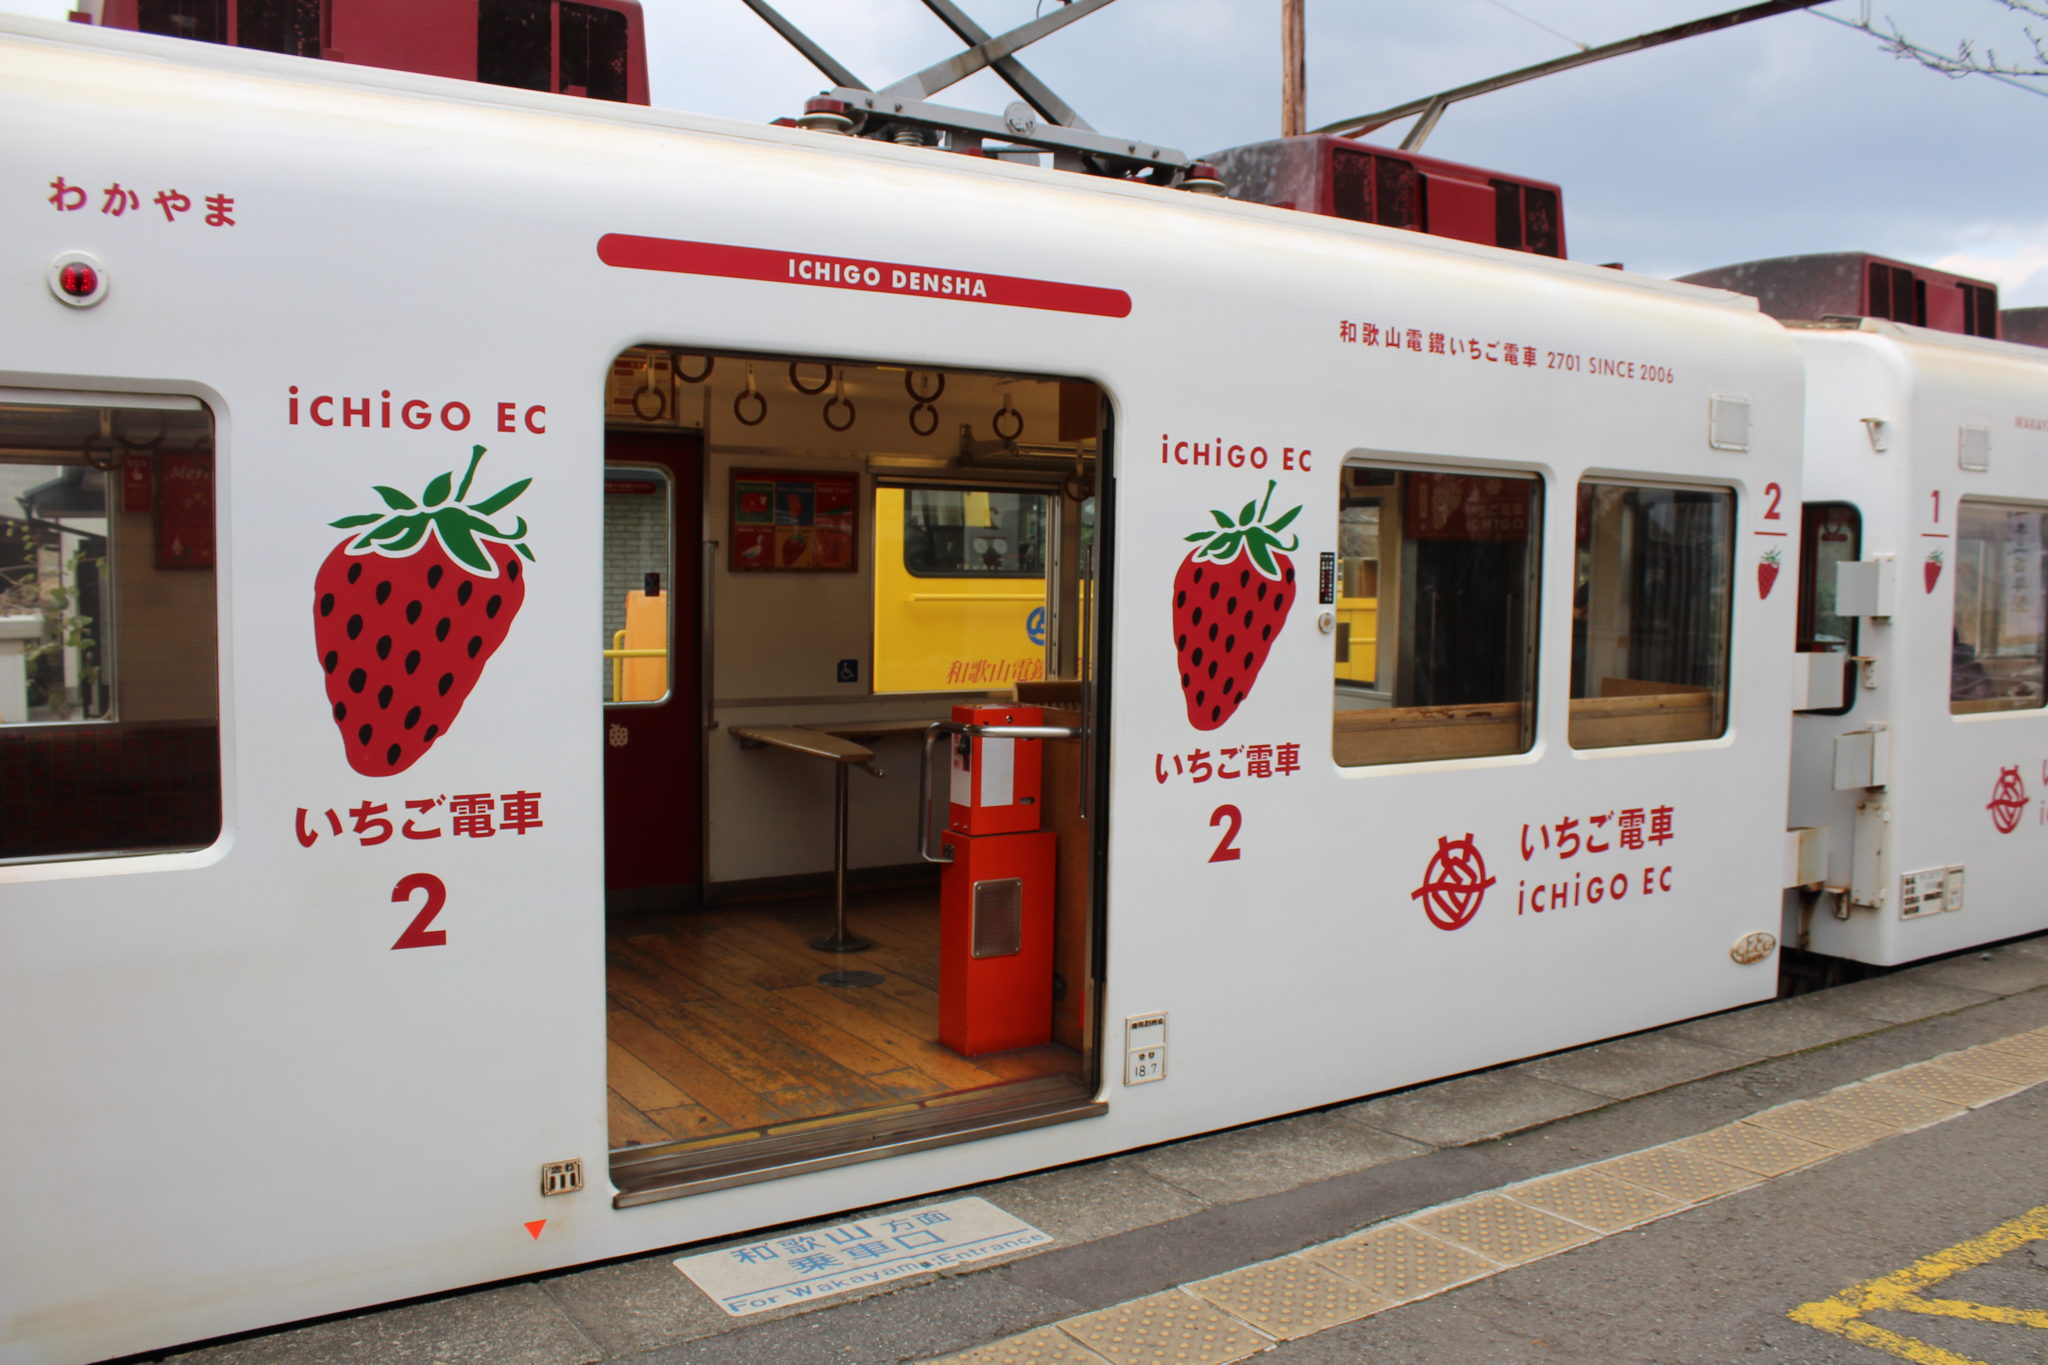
{"x":2008,"y":800}
{"x":1455,"y":883}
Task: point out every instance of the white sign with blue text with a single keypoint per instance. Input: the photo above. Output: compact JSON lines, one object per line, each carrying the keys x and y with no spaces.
{"x":789,"y":1269}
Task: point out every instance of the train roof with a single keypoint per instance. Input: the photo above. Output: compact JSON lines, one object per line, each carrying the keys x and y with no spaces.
{"x":310,"y":76}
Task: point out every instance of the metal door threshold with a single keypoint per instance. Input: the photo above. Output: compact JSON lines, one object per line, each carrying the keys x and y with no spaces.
{"x":643,"y":1175}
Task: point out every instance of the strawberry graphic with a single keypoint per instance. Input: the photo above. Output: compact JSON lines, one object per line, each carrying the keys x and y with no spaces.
{"x":1230,"y":599}
{"x":406,"y":615}
{"x":1766,"y":574}
{"x":1930,"y":572}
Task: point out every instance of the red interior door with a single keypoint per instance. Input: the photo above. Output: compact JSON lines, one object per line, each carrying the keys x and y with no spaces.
{"x":653,"y":751}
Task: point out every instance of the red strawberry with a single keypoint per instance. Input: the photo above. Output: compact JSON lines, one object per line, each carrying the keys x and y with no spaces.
{"x":1766,"y":574}
{"x":1930,"y":572}
{"x":406,"y":615}
{"x":1230,"y":598}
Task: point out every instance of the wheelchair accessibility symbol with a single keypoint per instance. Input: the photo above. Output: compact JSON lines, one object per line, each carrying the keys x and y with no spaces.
{"x":1034,"y":626}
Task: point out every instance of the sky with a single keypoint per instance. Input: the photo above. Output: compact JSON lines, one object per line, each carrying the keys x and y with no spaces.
{"x":1785,"y":136}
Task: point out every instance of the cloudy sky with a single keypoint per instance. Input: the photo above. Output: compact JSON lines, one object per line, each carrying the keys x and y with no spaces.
{"x":1788,"y":135}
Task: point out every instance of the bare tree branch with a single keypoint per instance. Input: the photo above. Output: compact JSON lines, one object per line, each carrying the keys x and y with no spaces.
{"x":1967,"y":59}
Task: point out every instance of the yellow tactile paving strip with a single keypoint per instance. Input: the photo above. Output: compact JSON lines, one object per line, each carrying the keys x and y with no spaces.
{"x":1947,"y":1083}
{"x":1751,"y":1147}
{"x":1502,"y":1229}
{"x":1430,"y":1251}
{"x":1291,"y":1297}
{"x":1604,"y":1200}
{"x":1398,"y":1263}
{"x":1171,"y":1327}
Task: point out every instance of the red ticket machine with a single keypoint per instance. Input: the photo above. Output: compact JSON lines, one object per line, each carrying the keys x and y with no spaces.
{"x":995,"y":896}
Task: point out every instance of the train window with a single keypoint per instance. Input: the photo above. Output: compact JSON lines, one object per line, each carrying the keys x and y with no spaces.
{"x":109,"y":693}
{"x":517,"y":45}
{"x":1830,"y":533}
{"x":639,"y":581}
{"x":973,"y":533}
{"x":960,"y":587}
{"x":1650,"y":614}
{"x":1436,"y":634}
{"x":1999,"y":644}
{"x":204,"y":21}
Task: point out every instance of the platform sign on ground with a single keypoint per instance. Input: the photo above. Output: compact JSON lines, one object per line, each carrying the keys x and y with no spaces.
{"x":778,"y":1271}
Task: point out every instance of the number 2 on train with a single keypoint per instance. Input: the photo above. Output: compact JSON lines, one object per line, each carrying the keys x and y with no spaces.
{"x":417,"y":934}
{"x":1227,"y":850}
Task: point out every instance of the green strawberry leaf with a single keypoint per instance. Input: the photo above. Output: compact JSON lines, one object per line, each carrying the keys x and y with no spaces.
{"x":501,"y":499}
{"x":391,"y":527}
{"x":453,"y":526}
{"x":1199,"y":536}
{"x":414,"y":534}
{"x":524,"y":551}
{"x":1279,"y":523}
{"x":1263,"y":557}
{"x":459,"y":526}
{"x":476,"y":455}
{"x":1222,"y":519}
{"x":1251,"y":510}
{"x":478,"y":526}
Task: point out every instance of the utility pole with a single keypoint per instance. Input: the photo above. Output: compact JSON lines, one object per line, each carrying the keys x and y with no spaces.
{"x":1293,"y":70}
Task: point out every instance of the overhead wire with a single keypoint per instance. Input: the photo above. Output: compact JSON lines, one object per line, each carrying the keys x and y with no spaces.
{"x":1530,"y":19}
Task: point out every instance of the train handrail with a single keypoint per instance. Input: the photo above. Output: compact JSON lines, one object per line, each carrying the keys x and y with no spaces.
{"x":956,"y":727}
{"x":619,"y":656}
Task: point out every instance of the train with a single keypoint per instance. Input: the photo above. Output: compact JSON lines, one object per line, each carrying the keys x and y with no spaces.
{"x":477,"y":795}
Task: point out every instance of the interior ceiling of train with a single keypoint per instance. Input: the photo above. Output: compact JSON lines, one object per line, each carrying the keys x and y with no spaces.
{"x":895,"y":412}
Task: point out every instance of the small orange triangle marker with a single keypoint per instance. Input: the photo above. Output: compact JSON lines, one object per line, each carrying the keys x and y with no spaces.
{"x":533,"y":1228}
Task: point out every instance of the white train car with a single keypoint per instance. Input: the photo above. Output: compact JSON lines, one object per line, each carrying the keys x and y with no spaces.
{"x":366,"y":934}
{"x":1919,"y":781}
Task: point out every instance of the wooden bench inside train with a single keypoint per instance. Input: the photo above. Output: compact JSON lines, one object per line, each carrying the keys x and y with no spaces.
{"x":839,"y":918}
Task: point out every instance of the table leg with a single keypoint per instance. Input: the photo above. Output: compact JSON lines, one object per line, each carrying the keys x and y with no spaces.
{"x":839,"y":940}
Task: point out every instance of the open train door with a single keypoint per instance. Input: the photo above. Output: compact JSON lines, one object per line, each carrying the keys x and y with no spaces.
{"x":810,"y":565}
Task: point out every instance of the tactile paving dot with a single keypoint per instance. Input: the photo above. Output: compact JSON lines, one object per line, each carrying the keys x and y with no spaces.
{"x":1881,"y":1104}
{"x":1290,"y":1297}
{"x":1595,"y":1199}
{"x":1045,"y":1346}
{"x":1682,"y":1175}
{"x":1753,"y":1149}
{"x":2001,"y":1066}
{"x":1499,"y":1228}
{"x":1399,"y":1264}
{"x":1946,"y":1083}
{"x":1171,"y":1327}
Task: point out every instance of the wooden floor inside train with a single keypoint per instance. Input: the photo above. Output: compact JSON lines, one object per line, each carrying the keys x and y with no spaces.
{"x":719,"y":1027}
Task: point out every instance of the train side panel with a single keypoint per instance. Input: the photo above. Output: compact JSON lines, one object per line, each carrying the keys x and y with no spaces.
{"x":260,"y":1088}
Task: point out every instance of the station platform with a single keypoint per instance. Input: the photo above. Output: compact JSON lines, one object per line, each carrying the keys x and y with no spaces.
{"x":1282,"y":1237}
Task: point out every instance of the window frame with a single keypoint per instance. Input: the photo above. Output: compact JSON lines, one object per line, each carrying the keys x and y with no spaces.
{"x":1393,"y":644}
{"x":1810,"y":520}
{"x":642,"y":469}
{"x":1722,"y":699}
{"x":1992,"y":706}
{"x":143,"y":749}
